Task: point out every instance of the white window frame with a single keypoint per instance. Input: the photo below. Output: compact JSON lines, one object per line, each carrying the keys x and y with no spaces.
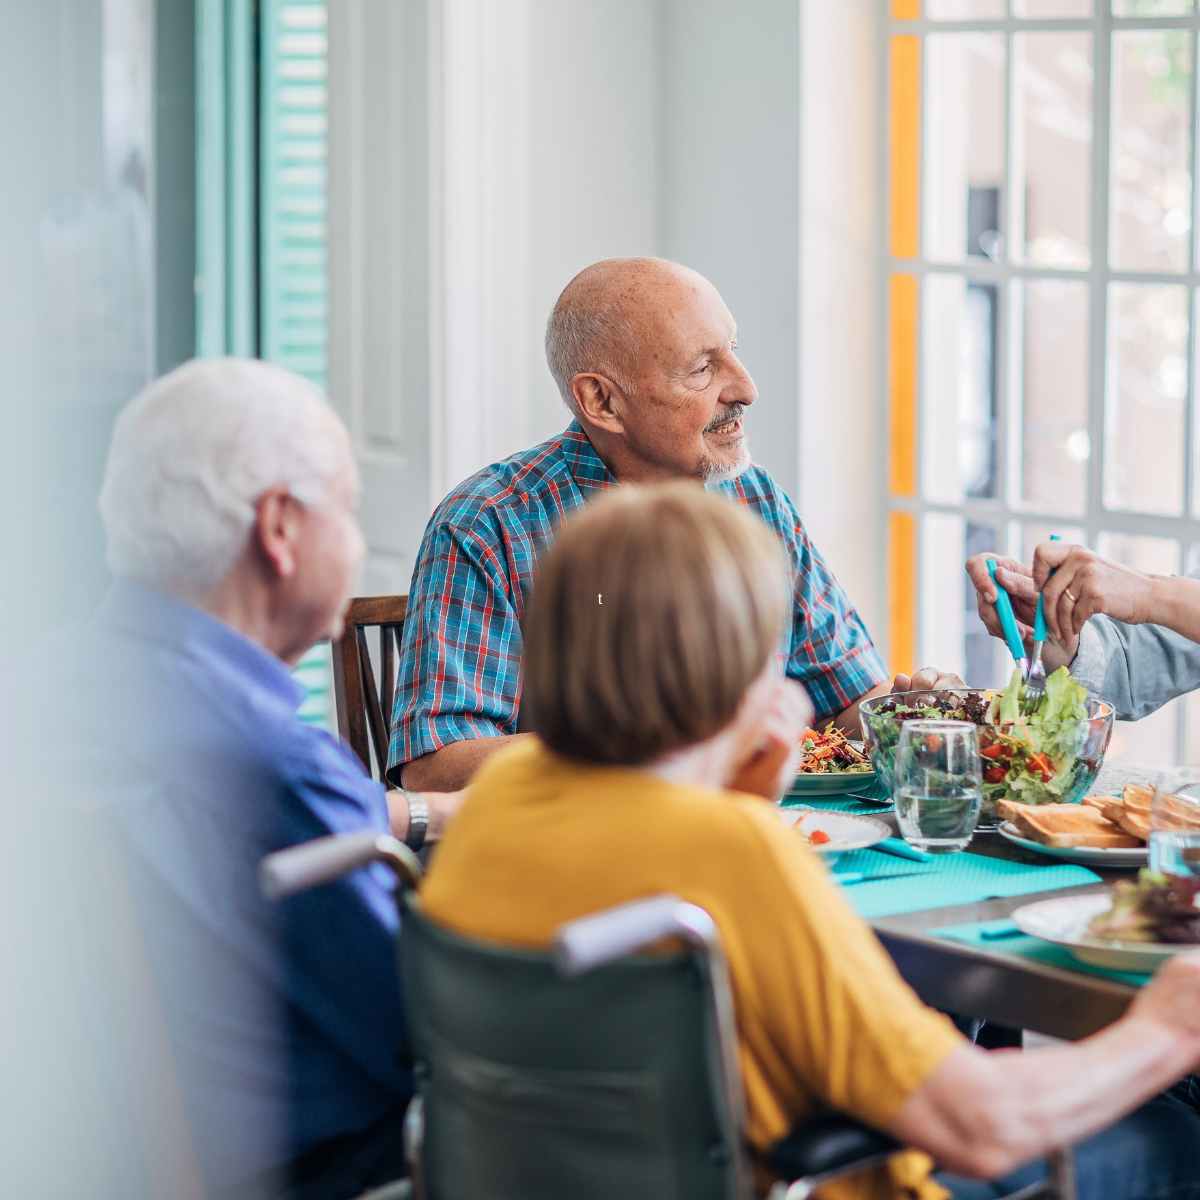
{"x":1003,"y":512}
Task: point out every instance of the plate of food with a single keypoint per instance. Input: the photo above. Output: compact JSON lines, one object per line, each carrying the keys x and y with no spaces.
{"x":834,"y":833}
{"x":1043,"y":752}
{"x":1103,"y":831}
{"x":832,"y":764}
{"x":1135,"y":927}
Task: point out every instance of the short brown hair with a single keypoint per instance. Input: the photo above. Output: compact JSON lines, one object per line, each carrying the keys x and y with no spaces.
{"x":652,"y":613}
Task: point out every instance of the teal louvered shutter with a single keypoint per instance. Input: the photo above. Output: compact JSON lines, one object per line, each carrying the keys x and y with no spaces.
{"x":273,"y":303}
{"x":294,"y":291}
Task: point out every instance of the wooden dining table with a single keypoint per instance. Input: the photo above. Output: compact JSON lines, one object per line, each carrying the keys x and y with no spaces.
{"x":1001,"y":988}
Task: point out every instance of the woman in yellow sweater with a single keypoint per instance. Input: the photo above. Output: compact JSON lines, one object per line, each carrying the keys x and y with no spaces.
{"x":651,"y":673}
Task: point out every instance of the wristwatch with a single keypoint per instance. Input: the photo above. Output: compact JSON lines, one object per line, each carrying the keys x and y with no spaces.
{"x":418,"y":820}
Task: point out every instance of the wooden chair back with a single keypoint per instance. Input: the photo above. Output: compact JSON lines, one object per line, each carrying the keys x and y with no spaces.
{"x":364,"y":700}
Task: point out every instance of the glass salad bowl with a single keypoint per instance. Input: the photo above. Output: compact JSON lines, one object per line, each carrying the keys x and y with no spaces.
{"x":1031,"y":759}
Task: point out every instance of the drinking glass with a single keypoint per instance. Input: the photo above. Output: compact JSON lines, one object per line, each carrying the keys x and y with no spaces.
{"x":1175,"y":823}
{"x":938,"y":787}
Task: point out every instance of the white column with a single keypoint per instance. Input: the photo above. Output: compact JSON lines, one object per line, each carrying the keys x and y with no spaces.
{"x":843,"y":423}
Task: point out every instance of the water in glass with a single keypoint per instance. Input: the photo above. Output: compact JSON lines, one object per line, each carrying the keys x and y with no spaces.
{"x":938,"y":786}
{"x":1175,"y":825}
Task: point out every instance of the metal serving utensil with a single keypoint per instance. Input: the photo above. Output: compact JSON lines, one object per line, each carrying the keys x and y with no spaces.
{"x":1035,"y":680}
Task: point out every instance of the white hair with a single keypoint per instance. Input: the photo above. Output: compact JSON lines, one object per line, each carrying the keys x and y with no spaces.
{"x":585,"y":335}
{"x":192,"y":454}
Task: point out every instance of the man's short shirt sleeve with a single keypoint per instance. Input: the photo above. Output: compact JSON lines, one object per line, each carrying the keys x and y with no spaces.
{"x":460,"y":656}
{"x":829,"y":649}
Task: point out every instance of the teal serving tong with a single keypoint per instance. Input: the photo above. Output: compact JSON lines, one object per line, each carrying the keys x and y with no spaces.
{"x":1008,"y":623}
{"x":1035,"y":680}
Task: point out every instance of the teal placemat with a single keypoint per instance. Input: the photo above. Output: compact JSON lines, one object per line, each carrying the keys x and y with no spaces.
{"x":949,"y":879}
{"x":1030,"y":949}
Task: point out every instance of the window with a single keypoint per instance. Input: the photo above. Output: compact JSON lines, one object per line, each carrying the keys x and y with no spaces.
{"x":1042,"y":303}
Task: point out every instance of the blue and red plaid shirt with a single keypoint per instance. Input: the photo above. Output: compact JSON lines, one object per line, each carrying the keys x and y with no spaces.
{"x":460,"y":658}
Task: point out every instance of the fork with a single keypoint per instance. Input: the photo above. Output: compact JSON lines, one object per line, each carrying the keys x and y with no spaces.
{"x":1035,"y":680}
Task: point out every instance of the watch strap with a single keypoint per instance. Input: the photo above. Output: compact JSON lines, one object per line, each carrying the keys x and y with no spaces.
{"x":418,"y":820}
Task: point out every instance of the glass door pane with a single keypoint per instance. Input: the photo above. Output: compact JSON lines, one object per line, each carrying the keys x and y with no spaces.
{"x":1051,"y":369}
{"x":1052,"y":148}
{"x":1147,"y":379}
{"x":960,"y":336}
{"x":963,"y":151}
{"x":1151,"y":8}
{"x":1150,"y":179}
{"x":1042,"y":9}
{"x":964,"y":10}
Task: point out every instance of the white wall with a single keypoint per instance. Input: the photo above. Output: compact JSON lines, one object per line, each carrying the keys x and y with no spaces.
{"x":563,"y":131}
{"x":843,"y":437}
{"x":480,"y":155}
{"x":730,"y":189}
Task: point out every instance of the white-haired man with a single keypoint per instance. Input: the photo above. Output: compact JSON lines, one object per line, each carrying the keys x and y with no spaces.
{"x":229,"y":509}
{"x":644,"y":352}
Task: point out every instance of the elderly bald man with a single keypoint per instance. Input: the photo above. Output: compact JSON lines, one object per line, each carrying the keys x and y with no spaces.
{"x":644,"y":352}
{"x":229,"y":511}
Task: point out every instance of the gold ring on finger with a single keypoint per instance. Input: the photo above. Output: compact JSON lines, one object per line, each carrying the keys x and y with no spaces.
{"x":1071,"y":595}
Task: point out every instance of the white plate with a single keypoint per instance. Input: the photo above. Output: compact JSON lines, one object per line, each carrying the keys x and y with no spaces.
{"x":846,"y":832}
{"x":1093,"y":856}
{"x":1064,"y":921}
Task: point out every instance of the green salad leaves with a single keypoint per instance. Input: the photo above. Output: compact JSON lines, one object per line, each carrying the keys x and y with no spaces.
{"x":1031,"y":757}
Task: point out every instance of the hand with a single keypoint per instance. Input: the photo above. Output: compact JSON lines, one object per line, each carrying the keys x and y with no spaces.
{"x":1172,"y":1000}
{"x":770,"y":768}
{"x":1017,"y":580}
{"x":926,"y":679}
{"x":1084,"y":584}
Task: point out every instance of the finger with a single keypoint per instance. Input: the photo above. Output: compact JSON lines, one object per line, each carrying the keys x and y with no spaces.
{"x":1046,"y":557}
{"x":1024,"y":610}
{"x":991,"y":619}
{"x":1021,"y":593}
{"x":987,"y":614}
{"x":1018,"y":584}
{"x":1053,"y":592}
{"x":1065,"y":611}
{"x":948,"y":680}
{"x":1085,"y":608}
{"x":766,"y":774}
{"x":902,"y":683}
{"x":925,"y":679}
{"x":980,"y":579}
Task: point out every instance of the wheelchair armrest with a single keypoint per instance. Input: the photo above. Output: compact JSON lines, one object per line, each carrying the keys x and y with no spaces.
{"x":827,"y":1145}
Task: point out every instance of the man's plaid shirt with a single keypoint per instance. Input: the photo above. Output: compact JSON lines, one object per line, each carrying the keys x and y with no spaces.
{"x":460,"y":657}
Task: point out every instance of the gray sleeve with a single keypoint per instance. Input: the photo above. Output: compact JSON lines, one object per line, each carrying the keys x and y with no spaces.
{"x":1137,"y":668}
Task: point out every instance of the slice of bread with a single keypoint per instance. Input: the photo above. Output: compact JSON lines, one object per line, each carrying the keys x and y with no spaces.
{"x":1175,"y":813}
{"x":1066,"y":825}
{"x":1135,"y":823}
{"x":1113,"y":810}
{"x":1137,"y":797}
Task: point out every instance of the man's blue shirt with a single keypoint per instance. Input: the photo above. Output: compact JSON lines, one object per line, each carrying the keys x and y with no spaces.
{"x":286,"y":1020}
